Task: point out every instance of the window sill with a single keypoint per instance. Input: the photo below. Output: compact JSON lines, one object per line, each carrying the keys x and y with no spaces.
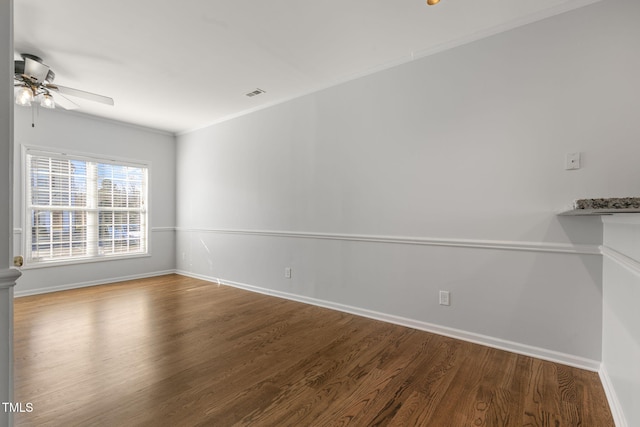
{"x":63,"y":263}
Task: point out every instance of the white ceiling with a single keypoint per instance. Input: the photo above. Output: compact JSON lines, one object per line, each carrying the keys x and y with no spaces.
{"x":181,"y":65}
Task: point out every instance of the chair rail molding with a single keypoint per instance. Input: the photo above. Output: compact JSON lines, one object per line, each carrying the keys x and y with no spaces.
{"x":511,"y":245}
{"x":8,"y":277}
{"x":629,"y":263}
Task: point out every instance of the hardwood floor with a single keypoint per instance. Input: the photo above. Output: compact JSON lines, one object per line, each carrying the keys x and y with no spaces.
{"x":177,"y":351}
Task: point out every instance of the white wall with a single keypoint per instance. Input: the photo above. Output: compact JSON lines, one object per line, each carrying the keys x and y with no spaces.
{"x":61,"y":130}
{"x":621,"y":317}
{"x":457,"y":160}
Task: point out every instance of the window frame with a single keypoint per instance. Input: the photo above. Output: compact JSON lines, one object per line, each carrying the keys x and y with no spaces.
{"x":59,"y":153}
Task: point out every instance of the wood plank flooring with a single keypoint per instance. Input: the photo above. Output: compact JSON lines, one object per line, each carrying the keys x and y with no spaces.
{"x":177,"y":351}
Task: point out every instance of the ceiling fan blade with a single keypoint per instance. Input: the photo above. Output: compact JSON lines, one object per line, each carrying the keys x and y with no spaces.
{"x":26,"y":79}
{"x":82,"y":94}
{"x":64,"y":102}
{"x":35,"y":70}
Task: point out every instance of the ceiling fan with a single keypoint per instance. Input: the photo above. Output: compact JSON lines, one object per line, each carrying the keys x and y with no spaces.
{"x":34,"y":81}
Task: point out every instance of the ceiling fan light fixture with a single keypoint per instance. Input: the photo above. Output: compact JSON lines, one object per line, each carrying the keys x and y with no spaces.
{"x":432,"y":2}
{"x":47,"y":101}
{"x":24,"y":96}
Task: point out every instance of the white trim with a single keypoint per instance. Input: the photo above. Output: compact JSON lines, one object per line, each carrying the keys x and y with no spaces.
{"x":74,"y":261}
{"x":162,"y":229}
{"x":410,"y":56}
{"x":627,"y":218}
{"x":23,"y":293}
{"x":424,"y":241}
{"x":62,"y":153}
{"x":614,"y":403}
{"x":8,"y":277}
{"x":541,"y":15}
{"x":621,"y":259}
{"x":17,"y":230}
{"x":111,"y":121}
{"x":511,"y":346}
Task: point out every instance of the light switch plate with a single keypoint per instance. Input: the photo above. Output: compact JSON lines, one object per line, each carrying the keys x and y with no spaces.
{"x":572,"y":161}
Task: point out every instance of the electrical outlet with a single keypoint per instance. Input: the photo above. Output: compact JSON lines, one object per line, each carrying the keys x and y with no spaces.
{"x":444,"y":298}
{"x":287,"y":273}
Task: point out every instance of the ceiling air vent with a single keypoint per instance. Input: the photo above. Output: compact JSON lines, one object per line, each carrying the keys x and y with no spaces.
{"x":255,"y":92}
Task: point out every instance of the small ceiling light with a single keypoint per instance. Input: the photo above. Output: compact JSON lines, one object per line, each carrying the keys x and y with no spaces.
{"x":432,"y":2}
{"x":24,"y":96}
{"x":47,"y":101}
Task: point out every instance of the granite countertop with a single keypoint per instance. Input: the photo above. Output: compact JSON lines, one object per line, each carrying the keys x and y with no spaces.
{"x":607,"y":206}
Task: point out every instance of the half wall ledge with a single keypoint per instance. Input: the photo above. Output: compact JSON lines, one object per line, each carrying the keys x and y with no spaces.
{"x":605,"y":206}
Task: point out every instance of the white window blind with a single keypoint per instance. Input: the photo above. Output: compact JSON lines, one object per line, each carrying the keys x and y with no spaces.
{"x":81,"y":208}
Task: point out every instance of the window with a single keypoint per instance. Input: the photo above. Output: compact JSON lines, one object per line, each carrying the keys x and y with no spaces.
{"x":79,"y":208}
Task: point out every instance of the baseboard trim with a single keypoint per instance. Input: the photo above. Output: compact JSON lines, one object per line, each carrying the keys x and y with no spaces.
{"x":510,"y":245}
{"x":25,"y":293}
{"x":514,"y":347}
{"x":614,"y":403}
{"x":511,"y":346}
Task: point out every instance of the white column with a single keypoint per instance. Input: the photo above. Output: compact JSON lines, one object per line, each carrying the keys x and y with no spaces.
{"x":8,"y":276}
{"x":620,"y":316}
{"x":7,"y":280}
